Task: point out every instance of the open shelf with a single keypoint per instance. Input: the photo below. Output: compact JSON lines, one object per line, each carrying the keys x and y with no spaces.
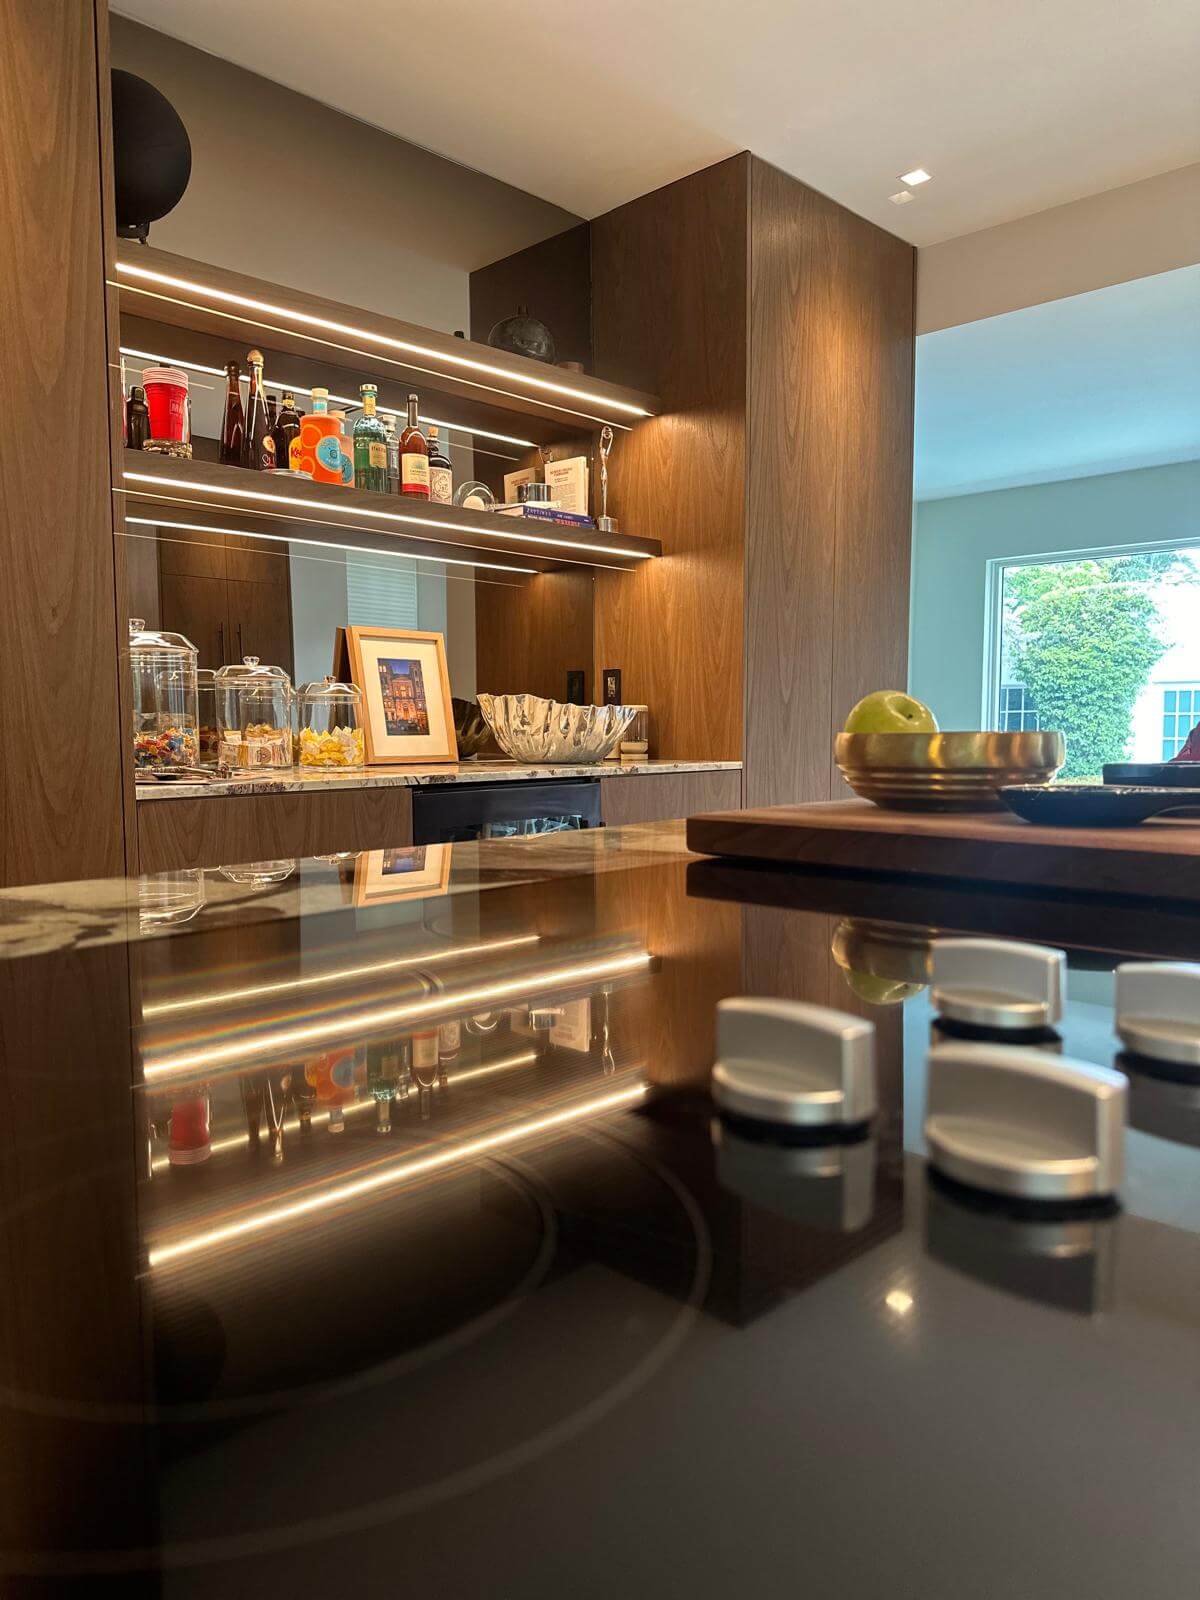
{"x":196,"y":497}
{"x":476,"y":385}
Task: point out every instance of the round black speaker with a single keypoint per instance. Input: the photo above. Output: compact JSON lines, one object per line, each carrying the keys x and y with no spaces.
{"x":152,"y":154}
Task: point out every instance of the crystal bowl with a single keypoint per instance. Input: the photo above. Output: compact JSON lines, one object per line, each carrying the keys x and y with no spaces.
{"x":945,"y":771}
{"x":547,"y":732}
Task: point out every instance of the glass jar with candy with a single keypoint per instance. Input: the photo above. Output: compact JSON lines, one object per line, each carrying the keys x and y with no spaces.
{"x":163,"y":672}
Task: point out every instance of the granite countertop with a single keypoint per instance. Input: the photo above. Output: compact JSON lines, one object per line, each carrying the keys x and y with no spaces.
{"x":297,"y":779}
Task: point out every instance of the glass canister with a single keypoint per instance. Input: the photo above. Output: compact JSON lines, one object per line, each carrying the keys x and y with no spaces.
{"x":254,"y":716}
{"x":331,"y":725}
{"x":206,"y":704}
{"x":163,"y":669}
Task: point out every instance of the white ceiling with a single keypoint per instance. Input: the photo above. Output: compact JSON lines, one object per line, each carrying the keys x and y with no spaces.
{"x":1012,"y":107}
{"x":1099,"y":382}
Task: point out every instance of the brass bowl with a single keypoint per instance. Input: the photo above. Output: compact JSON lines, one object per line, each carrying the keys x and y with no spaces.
{"x":945,"y":771}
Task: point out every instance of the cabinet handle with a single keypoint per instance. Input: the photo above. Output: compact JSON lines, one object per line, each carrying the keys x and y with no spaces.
{"x":239,"y":641}
{"x":220,"y":644}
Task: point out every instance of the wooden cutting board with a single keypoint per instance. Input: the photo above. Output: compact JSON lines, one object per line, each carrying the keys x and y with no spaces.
{"x":1160,"y":859}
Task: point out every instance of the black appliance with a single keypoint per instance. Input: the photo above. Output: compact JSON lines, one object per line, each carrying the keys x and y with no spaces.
{"x":442,"y":814}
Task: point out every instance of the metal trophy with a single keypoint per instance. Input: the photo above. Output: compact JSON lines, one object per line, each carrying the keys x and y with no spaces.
{"x":604,"y":522}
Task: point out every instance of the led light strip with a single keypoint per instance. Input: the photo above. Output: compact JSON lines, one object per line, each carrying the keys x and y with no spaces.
{"x":402,"y":1172}
{"x":336,"y":975}
{"x":481,"y":997}
{"x":330,"y":544}
{"x":340,"y":399}
{"x":407,"y":347}
{"x":527,"y":1059}
{"x":176,"y":486}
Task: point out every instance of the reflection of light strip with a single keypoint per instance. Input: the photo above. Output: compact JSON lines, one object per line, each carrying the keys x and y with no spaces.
{"x":329,"y":544}
{"x":339,"y":975}
{"x":466,"y":363}
{"x":176,"y":486}
{"x":238,"y":1141}
{"x":479,"y":998}
{"x":400,"y":1173}
{"x":340,"y":399}
{"x":526,"y":1059}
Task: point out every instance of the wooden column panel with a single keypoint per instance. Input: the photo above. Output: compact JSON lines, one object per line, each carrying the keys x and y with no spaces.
{"x":529,"y":635}
{"x":61,"y":812}
{"x":661,"y":797}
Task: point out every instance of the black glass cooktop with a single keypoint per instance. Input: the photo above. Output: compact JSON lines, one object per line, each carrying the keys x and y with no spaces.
{"x":386,"y":1243}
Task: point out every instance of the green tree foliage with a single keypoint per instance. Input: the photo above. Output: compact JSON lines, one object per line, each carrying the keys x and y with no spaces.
{"x":1083,"y":642}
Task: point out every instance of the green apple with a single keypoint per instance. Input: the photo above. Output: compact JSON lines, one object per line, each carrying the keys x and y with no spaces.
{"x":890,"y":711}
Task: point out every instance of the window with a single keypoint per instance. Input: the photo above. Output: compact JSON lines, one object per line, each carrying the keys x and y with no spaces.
{"x":381,"y":593}
{"x":1018,"y":713}
{"x":1181,"y":713}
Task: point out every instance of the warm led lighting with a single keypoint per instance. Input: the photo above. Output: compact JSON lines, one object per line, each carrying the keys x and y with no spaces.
{"x":525,"y":1059}
{"x":260,"y":991}
{"x":325,"y":544}
{"x":338,"y":399}
{"x":899,"y":1301}
{"x":239,"y":1141}
{"x":401,"y":1172}
{"x":917,"y":176}
{"x":311,"y":1034}
{"x":405,"y":346}
{"x":900,"y":199}
{"x":176,"y":487}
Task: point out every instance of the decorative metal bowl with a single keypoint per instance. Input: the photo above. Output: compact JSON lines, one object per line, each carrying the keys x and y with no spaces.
{"x":945,"y":771}
{"x":545,"y":731}
{"x":471,"y":730}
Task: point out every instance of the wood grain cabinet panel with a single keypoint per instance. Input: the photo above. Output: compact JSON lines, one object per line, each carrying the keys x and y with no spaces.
{"x":223,"y":830}
{"x":661,"y":797}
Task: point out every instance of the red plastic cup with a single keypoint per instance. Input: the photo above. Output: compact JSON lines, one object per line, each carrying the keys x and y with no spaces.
{"x":191,"y":1140}
{"x":166,"y":398}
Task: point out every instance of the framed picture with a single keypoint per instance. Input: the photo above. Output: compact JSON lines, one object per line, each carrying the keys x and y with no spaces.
{"x":381,"y":877}
{"x":407,"y":713}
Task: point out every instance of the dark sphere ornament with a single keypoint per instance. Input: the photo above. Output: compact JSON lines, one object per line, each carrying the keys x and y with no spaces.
{"x":524,"y":336}
{"x":152,"y":154}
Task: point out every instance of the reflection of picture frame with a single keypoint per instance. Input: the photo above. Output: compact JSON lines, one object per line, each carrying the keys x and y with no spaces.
{"x":381,"y":877}
{"x":407,"y":714}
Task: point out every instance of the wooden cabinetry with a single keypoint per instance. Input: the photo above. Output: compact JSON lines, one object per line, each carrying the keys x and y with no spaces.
{"x":231,"y":597}
{"x":661,"y":797}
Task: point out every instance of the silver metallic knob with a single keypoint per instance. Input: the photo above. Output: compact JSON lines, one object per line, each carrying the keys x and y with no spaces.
{"x":1019,"y":1122}
{"x":1158,"y":1010}
{"x":998,"y":983}
{"x":786,"y":1062}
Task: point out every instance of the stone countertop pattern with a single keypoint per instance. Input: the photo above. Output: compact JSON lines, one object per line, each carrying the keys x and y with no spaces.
{"x":43,"y":917}
{"x":298,"y":780}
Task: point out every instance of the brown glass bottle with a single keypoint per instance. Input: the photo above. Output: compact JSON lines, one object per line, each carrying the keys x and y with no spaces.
{"x":137,"y":419}
{"x":258,"y":451}
{"x":233,"y":428}
{"x":414,"y":457}
{"x":287,"y":428}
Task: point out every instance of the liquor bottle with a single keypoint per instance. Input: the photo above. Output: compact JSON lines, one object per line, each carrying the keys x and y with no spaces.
{"x":287,"y":428}
{"x":258,"y":448}
{"x":233,"y":428}
{"x":370,"y":445}
{"x":272,"y":416}
{"x":318,"y":448}
{"x":414,"y":457}
{"x":393,"y":450}
{"x":441,"y":477}
{"x":137,"y":419}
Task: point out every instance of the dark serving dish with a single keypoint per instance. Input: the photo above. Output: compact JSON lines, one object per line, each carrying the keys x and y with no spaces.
{"x":1155,"y":774}
{"x":1064,"y":805}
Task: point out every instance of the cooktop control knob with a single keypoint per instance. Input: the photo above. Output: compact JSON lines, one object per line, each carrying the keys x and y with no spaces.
{"x":1158,"y":1010}
{"x":998,"y":983}
{"x":800,"y":1065}
{"x":1021,"y":1123}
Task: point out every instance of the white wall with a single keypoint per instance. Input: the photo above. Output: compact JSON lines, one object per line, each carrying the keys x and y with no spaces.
{"x":953,"y":539}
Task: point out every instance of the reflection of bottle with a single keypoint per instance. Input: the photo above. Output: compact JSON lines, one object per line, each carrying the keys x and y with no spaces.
{"x":414,"y":457}
{"x":233,"y":428}
{"x":346,"y":448}
{"x":258,"y":449}
{"x":191,"y":1140}
{"x":382,"y":1074}
{"x":393,"y":450}
{"x":287,"y":428}
{"x":252,"y":1104}
{"x":305,"y":1096}
{"x":441,"y":476}
{"x":449,"y":1041}
{"x":370,"y":445}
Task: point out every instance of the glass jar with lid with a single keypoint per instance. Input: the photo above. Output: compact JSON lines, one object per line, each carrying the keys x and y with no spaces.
{"x":163,"y":671}
{"x":331,"y":725}
{"x":254,"y":716}
{"x":206,"y":705}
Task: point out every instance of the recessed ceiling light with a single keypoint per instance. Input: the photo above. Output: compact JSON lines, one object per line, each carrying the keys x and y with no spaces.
{"x":900,"y":199}
{"x":916,"y":176}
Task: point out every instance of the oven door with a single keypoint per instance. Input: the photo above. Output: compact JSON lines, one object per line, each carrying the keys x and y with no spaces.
{"x":443,"y":813}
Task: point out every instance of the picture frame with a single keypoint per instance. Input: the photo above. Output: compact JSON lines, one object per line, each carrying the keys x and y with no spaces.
{"x":408,"y":718}
{"x":383,"y":877}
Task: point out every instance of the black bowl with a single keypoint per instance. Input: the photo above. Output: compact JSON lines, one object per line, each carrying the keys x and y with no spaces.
{"x":1155,"y":774}
{"x":1068,"y":805}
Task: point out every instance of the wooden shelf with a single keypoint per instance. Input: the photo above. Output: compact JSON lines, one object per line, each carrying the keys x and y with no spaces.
{"x":204,"y":496}
{"x":483,"y":387}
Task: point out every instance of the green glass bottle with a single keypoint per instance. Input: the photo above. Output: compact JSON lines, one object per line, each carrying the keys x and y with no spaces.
{"x":370,"y":446}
